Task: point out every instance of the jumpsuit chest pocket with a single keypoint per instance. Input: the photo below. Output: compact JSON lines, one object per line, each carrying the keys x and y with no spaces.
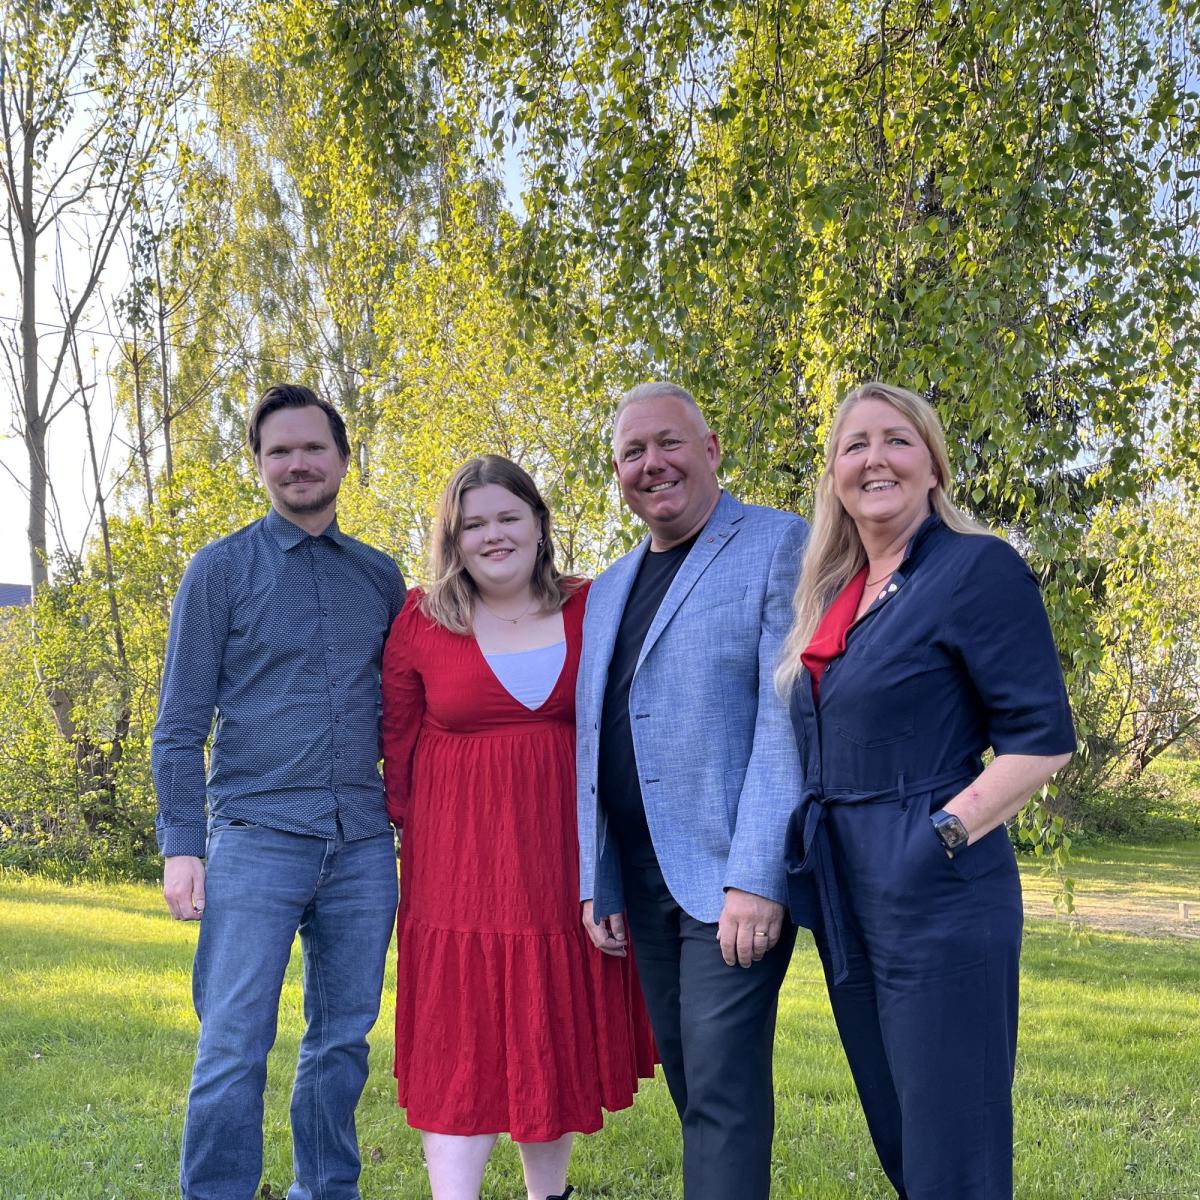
{"x":871,"y":701}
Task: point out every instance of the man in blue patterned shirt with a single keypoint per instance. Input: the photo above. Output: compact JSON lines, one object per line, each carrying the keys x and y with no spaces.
{"x":278,"y":629}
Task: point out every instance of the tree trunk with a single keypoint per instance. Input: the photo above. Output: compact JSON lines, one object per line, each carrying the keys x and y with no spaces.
{"x":139,"y":412}
{"x":97,"y":763}
{"x":35,"y":420}
{"x":35,"y":425}
{"x":164,"y":364}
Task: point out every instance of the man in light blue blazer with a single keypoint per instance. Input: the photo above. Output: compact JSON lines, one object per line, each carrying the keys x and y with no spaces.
{"x":687,"y":774}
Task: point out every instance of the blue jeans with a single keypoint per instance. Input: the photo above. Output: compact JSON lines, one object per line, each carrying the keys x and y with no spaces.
{"x":262,"y":887}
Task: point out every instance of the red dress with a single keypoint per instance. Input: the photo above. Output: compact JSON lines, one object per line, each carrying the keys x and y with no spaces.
{"x":508,"y":1019}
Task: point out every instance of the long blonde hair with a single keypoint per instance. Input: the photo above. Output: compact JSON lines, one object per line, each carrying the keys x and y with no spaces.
{"x":835,"y":552}
{"x":450,"y":598}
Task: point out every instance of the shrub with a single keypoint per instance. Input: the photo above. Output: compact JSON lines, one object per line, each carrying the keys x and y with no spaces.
{"x":1158,"y":805}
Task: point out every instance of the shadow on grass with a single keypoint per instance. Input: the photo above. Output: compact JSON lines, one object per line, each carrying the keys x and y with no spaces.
{"x":110,"y":1034}
{"x":89,"y":949}
{"x":1101,"y":959}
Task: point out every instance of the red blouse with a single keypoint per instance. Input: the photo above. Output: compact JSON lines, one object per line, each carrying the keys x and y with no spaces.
{"x":829,"y":639}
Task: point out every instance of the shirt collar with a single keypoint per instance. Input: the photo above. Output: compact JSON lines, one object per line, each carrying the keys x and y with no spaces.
{"x":289,"y":535}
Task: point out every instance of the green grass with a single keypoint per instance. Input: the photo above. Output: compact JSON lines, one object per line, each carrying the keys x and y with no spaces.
{"x":97,"y":1035}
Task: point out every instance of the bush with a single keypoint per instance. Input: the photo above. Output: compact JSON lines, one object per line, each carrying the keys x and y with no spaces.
{"x":68,"y":852}
{"x":1162,"y":804}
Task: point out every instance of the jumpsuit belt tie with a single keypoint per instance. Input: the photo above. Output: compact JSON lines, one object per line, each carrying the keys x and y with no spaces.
{"x":809,"y":856}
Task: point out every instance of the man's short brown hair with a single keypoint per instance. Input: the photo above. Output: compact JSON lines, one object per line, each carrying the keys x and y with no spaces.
{"x":294,"y":395}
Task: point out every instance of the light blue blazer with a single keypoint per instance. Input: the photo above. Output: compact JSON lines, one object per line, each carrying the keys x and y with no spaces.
{"x":715,"y":751}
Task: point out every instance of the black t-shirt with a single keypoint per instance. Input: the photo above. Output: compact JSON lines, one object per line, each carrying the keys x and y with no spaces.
{"x":620,"y":791}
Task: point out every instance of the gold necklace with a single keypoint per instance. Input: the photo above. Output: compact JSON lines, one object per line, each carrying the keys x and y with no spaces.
{"x":508,"y":620}
{"x":885,"y":575}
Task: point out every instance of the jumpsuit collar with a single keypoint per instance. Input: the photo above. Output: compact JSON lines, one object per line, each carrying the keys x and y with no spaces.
{"x":899,"y":576}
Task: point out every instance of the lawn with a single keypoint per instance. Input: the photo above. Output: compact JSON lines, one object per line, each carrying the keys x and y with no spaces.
{"x":97,"y":1034}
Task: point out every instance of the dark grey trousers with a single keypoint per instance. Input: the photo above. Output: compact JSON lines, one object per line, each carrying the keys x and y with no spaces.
{"x":715,"y":1029}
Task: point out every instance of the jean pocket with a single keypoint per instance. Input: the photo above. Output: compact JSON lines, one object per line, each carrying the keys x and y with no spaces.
{"x":218,"y":826}
{"x":219,"y":822}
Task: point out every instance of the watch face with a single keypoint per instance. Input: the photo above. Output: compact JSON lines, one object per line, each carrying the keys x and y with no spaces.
{"x":950,"y":829}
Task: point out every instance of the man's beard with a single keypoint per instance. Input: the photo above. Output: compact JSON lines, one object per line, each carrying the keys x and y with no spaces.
{"x":315,"y":502}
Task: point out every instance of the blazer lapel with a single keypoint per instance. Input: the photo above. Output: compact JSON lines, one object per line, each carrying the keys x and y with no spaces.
{"x":605,"y":608}
{"x":714,"y":537}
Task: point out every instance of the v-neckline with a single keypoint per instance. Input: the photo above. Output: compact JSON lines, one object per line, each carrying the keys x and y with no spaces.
{"x":562,"y":612}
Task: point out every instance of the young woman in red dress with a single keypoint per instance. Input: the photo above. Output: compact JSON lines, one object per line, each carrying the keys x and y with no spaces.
{"x":507,"y":1021}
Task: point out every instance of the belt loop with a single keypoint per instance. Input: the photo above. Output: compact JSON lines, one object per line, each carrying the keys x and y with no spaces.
{"x":903,"y":793}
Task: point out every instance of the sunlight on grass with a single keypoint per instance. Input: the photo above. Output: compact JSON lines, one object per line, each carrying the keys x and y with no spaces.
{"x":97,"y":1034}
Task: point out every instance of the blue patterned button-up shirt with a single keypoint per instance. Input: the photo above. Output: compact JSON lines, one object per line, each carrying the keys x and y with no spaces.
{"x":281,"y":634}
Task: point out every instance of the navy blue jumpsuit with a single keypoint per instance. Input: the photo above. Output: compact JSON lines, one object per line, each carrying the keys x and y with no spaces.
{"x":920,"y":950}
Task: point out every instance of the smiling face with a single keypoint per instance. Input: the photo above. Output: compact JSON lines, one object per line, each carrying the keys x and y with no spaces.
{"x":883,"y":472}
{"x":300,"y":465}
{"x":666,"y":463}
{"x":498,"y":540}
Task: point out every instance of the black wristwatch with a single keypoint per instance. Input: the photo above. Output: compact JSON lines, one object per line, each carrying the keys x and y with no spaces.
{"x":950,"y":830}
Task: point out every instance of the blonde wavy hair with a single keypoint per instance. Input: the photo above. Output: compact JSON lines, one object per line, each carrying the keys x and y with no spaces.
{"x":450,"y":598}
{"x":835,"y":552}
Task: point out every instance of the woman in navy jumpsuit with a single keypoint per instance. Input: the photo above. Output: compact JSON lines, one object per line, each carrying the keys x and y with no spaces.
{"x":921,"y":641}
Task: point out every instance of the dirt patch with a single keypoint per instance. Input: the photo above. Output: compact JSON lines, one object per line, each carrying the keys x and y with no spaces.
{"x":1127,"y":914}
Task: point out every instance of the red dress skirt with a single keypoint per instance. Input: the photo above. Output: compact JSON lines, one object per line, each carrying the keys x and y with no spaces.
{"x":508,"y":1019}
